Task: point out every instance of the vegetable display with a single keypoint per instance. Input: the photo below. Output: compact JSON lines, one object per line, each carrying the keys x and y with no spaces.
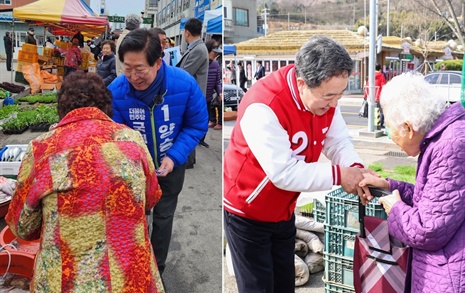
{"x":12,"y":88}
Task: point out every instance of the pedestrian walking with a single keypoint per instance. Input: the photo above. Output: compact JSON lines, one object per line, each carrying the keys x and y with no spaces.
{"x":242,"y":77}
{"x":260,"y":71}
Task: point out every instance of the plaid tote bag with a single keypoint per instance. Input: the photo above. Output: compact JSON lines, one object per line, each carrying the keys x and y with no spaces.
{"x":380,"y":261}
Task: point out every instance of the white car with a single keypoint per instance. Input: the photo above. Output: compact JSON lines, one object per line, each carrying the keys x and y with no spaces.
{"x":448,"y":83}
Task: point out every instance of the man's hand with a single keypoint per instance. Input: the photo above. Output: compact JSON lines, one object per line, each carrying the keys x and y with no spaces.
{"x":166,"y":167}
{"x":389,"y":200}
{"x":352,"y":176}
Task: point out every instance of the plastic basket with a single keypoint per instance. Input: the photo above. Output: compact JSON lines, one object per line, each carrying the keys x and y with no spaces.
{"x":319,"y":211}
{"x":337,"y":288}
{"x":342,"y":209}
{"x":29,"y":247}
{"x":28,"y":56}
{"x":48,"y":52}
{"x":339,"y":270}
{"x":29,"y":48}
{"x":19,"y":77}
{"x":339,"y":241}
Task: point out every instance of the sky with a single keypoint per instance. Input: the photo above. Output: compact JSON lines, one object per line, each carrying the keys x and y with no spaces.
{"x":119,"y":7}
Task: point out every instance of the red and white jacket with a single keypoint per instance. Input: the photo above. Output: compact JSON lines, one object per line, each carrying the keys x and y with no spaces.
{"x":274,"y":149}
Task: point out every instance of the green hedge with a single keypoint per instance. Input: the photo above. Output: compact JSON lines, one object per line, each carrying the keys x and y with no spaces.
{"x":450,"y":65}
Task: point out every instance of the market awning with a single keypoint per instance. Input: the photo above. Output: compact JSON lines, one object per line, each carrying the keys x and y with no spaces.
{"x":64,"y":17}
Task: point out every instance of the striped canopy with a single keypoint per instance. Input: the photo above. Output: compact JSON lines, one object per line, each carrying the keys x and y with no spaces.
{"x":62,"y":17}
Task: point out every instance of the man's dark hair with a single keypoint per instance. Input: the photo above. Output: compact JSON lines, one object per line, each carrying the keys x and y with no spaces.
{"x":159,"y":31}
{"x":81,"y":90}
{"x":259,"y":62}
{"x":377,"y":67}
{"x":322,"y":58}
{"x":141,"y":40}
{"x":194,"y":26}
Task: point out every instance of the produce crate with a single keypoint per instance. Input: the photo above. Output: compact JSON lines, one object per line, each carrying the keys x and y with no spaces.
{"x":85,"y":57}
{"x":307,"y":210}
{"x":319,"y":211}
{"x":28,"y":56}
{"x":21,"y":64}
{"x":339,"y":270}
{"x":59,"y":61}
{"x":48,"y":52}
{"x":19,"y":77}
{"x":10,"y":168}
{"x":60,"y":71}
{"x":339,"y":241}
{"x":342,"y":210}
{"x":337,"y":288}
{"x":29,"y":48}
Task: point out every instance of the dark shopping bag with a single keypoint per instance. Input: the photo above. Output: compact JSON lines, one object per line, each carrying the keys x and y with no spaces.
{"x":363,"y":112}
{"x":380,"y":261}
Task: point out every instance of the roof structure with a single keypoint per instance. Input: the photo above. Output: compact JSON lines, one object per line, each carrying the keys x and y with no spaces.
{"x":62,"y":17}
{"x":289,"y":42}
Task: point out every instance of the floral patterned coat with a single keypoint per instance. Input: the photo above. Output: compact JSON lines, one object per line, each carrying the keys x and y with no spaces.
{"x":84,"y":188}
{"x":73,"y":58}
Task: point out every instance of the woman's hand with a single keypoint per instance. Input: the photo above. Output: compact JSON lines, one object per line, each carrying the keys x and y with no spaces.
{"x":372,"y":181}
{"x":389,"y":200}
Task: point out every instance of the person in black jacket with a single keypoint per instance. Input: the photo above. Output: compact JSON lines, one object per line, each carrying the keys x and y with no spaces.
{"x":260,"y":71}
{"x":106,"y":66}
{"x":29,"y":39}
{"x":8,"y":50}
{"x":242,"y":77}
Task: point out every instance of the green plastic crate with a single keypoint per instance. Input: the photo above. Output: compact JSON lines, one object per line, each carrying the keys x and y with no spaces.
{"x":342,"y":210}
{"x":19,"y":77}
{"x":337,"y":288}
{"x":339,"y":270}
{"x":319,"y":211}
{"x":340,"y":241}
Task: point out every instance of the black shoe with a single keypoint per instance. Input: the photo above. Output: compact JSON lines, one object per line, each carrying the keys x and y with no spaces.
{"x":204,"y":144}
{"x":190,"y":166}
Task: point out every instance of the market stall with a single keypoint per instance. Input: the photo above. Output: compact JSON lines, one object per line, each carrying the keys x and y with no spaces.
{"x":64,"y":18}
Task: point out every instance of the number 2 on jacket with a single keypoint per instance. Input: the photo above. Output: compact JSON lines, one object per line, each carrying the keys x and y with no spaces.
{"x":303,"y":139}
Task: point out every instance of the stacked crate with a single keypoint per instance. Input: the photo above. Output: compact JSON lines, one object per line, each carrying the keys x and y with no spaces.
{"x":85,"y":61}
{"x":26,"y":56}
{"x":47,"y":52}
{"x":340,"y":216}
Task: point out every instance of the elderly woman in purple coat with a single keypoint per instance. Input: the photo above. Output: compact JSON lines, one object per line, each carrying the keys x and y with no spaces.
{"x":430,"y":215}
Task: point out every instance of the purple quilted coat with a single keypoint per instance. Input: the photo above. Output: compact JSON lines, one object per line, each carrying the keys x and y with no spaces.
{"x":430,"y":218}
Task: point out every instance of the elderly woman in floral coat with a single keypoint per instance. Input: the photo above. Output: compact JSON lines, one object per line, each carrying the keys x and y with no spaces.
{"x":430,"y":215}
{"x":83,"y":188}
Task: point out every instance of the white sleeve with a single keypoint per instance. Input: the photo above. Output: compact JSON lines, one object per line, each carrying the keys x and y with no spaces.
{"x":269,"y":143}
{"x":338,"y":143}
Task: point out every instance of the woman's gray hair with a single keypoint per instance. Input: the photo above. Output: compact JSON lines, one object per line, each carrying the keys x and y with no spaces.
{"x":132,"y":21}
{"x":408,"y":97}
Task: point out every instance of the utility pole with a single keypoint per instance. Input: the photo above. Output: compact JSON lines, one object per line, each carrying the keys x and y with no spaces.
{"x":388,"y":17}
{"x":288,"y":28}
{"x":371,"y":65}
{"x":265,"y":25}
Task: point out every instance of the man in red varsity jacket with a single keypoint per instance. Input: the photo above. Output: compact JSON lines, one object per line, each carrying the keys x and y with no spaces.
{"x":284,"y":123}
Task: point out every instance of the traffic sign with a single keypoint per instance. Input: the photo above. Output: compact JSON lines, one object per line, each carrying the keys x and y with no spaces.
{"x":147,"y":20}
{"x":116,"y":18}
